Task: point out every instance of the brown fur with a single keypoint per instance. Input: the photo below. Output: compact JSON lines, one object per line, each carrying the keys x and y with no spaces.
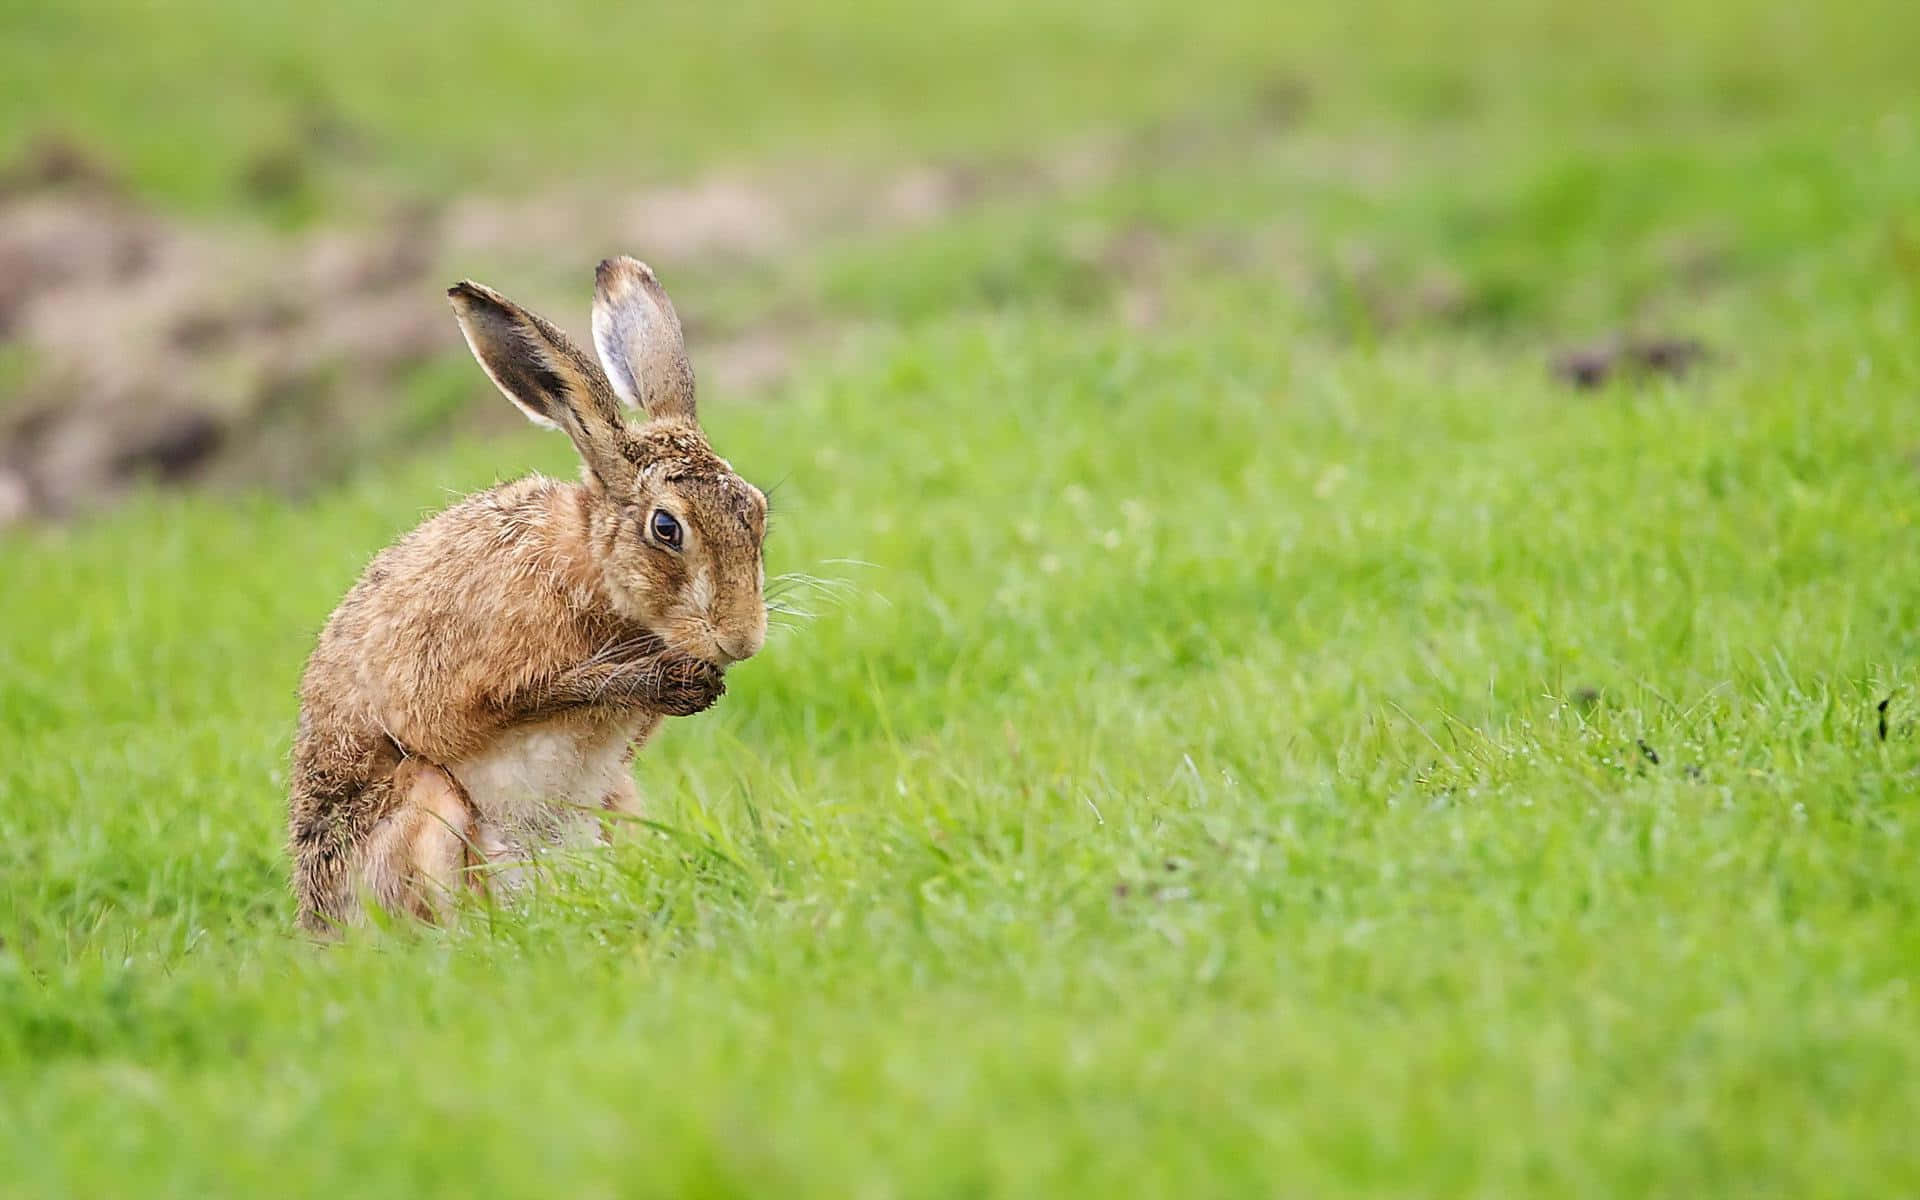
{"x":530,"y":636}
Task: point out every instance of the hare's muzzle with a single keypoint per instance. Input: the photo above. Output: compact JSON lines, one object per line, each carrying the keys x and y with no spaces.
{"x":740,"y":644}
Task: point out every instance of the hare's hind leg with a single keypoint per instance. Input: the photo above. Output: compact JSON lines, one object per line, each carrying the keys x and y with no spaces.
{"x":340,"y":792}
{"x":418,"y":854}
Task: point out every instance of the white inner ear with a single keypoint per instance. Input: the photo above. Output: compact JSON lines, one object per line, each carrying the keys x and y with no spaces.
{"x":617,"y":329}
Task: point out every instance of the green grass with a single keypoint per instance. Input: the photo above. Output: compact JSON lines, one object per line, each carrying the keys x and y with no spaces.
{"x":1232,"y":768}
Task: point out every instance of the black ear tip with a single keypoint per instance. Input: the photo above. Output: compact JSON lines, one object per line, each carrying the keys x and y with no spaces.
{"x":475,"y":293}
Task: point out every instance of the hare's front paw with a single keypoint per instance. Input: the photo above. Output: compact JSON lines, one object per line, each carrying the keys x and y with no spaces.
{"x":690,"y":685}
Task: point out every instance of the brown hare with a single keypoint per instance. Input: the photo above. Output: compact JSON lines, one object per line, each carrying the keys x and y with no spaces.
{"x":483,"y":688}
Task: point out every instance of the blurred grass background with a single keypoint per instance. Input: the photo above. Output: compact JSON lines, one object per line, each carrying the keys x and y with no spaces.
{"x":1281,"y":731}
{"x":446,"y":97}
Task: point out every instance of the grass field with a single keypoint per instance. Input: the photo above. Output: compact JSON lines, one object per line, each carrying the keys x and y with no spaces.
{"x":1273,"y":737}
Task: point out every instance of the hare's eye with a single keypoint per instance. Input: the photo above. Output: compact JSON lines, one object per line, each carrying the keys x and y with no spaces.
{"x":665,"y":528}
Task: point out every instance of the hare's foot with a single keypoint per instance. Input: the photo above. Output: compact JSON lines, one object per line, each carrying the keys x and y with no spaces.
{"x":499,"y":865}
{"x":419,"y":852}
{"x":623,"y":801}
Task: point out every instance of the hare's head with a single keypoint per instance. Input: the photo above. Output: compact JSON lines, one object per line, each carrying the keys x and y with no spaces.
{"x":676,"y":532}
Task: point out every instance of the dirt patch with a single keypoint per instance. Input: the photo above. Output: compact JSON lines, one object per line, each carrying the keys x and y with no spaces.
{"x":148,"y":344}
{"x":1590,"y":367}
{"x":137,"y":348}
{"x":156,"y":350}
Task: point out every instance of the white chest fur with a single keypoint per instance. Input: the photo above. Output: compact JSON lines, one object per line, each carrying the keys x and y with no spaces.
{"x":547,"y":782}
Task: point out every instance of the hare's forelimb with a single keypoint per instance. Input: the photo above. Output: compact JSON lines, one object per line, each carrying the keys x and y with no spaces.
{"x":673,"y":685}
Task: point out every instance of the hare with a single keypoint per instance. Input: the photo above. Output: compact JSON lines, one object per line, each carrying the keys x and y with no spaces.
{"x":484,"y":686}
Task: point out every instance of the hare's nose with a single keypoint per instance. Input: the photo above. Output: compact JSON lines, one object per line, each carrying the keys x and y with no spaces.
{"x":737,"y":646}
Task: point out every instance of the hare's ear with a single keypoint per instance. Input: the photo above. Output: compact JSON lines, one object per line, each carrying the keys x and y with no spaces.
{"x":638,"y":336}
{"x":545,"y":375}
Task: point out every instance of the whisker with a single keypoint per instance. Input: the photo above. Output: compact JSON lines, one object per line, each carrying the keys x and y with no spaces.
{"x":783,"y":592}
{"x":800,"y":581}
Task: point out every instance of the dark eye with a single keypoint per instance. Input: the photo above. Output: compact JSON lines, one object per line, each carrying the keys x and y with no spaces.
{"x":665,"y":528}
